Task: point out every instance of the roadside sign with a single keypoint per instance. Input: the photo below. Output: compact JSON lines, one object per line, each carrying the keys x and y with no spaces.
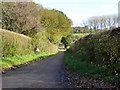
{"x":37,"y":50}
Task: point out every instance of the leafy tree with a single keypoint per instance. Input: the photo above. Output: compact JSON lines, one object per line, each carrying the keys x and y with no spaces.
{"x":64,"y":42}
{"x":28,"y":21}
{"x":30,"y":18}
{"x":8,"y":19}
{"x":56,"y":23}
{"x":67,"y":40}
{"x":23,"y":18}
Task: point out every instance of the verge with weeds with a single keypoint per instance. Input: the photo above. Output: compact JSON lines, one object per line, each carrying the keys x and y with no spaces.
{"x":89,"y":70}
{"x":8,"y":62}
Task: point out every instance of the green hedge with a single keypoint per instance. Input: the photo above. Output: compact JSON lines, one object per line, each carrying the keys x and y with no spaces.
{"x":83,"y":68}
{"x":102,"y":49}
{"x":14,"y":44}
{"x":40,"y":41}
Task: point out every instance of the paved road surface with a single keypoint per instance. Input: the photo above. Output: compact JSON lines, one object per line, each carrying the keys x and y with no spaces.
{"x":47,"y":73}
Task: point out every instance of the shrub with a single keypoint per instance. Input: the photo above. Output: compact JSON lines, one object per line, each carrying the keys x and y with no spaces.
{"x":15,"y":44}
{"x":40,"y":41}
{"x":101,"y":49}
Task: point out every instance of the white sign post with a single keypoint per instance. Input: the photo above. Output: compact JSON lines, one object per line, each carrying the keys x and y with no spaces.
{"x":37,"y":50}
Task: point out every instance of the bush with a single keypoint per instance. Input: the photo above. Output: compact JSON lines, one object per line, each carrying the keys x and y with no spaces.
{"x":15,"y":44}
{"x":101,"y":49}
{"x":40,"y":41}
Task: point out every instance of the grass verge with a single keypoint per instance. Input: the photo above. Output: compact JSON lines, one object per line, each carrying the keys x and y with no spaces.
{"x":90,"y":70}
{"x":25,"y":59}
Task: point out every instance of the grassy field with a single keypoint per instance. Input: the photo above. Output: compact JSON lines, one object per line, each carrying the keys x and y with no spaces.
{"x":8,"y":62}
{"x":81,"y":34}
{"x":86,"y":69}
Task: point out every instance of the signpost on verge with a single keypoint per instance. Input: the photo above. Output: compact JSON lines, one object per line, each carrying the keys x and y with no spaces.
{"x":37,"y":50}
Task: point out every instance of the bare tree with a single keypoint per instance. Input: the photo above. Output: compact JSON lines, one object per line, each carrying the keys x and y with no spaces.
{"x":84,"y":23}
{"x":114,"y":20}
{"x":101,"y":21}
{"x":90,"y":22}
{"x":95,"y":21}
{"x":109,"y":21}
{"x":104,"y":22}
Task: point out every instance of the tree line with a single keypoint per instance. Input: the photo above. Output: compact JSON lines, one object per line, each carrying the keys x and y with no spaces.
{"x":29,"y":18}
{"x":102,"y":22}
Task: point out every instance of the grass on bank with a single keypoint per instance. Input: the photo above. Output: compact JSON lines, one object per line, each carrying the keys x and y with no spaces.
{"x":8,"y":62}
{"x":89,"y":70}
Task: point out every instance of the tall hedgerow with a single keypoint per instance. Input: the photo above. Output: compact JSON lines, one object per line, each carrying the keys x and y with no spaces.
{"x":101,"y":49}
{"x":41,"y":41}
{"x":15,"y":44}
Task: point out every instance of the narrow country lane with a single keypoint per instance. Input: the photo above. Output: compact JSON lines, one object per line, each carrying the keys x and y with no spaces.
{"x":47,"y":73}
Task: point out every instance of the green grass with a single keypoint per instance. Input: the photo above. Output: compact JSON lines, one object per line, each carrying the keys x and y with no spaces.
{"x":8,"y":62}
{"x":89,"y":70}
{"x":81,"y":34}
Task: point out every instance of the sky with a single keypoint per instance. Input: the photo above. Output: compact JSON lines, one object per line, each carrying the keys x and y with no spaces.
{"x":80,"y":10}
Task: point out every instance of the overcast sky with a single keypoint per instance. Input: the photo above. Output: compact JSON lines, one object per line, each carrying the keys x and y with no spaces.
{"x":79,"y":10}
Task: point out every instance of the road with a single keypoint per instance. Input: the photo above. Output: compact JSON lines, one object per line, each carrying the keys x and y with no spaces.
{"x":47,"y":73}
